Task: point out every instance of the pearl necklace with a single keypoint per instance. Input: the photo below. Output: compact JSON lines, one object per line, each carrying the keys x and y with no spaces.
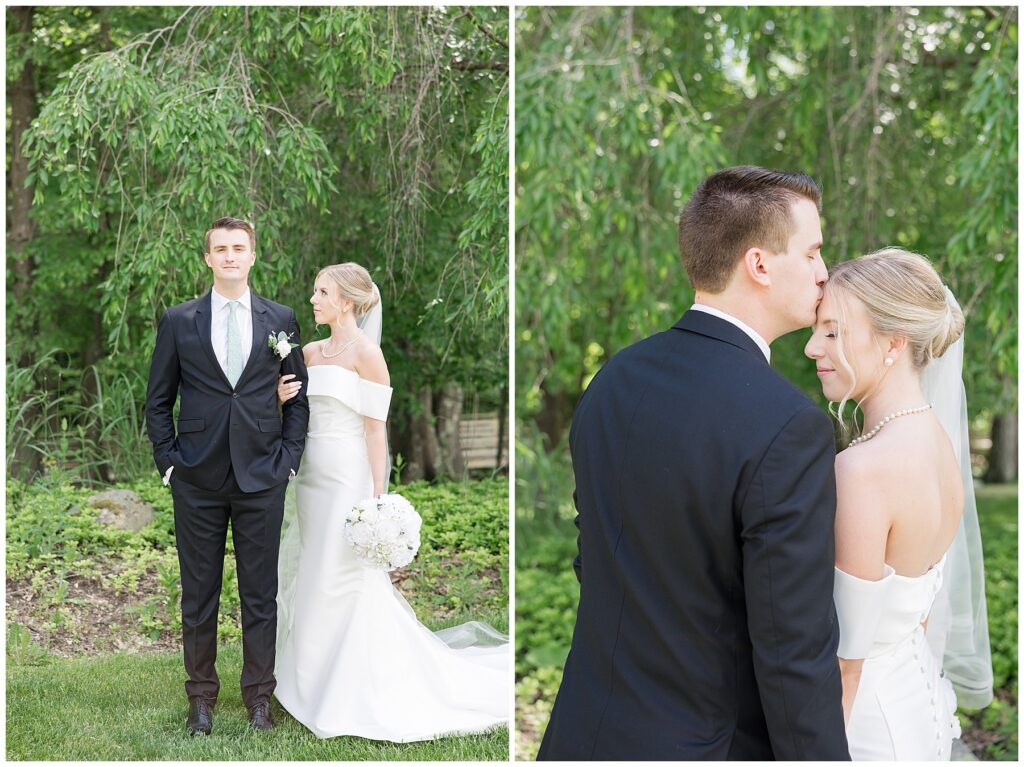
{"x":884,"y":421}
{"x":323,"y":346}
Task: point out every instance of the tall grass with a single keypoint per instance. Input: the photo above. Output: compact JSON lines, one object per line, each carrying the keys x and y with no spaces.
{"x":70,"y":425}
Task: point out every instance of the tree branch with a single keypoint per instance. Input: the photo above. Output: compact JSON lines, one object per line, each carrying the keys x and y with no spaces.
{"x":473,"y":66}
{"x":480,"y":25}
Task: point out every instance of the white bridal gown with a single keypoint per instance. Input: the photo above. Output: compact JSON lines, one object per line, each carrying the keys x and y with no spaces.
{"x":351,"y":657}
{"x":904,"y":708}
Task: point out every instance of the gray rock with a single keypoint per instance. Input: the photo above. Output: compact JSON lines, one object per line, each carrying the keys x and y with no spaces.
{"x":123,"y":509}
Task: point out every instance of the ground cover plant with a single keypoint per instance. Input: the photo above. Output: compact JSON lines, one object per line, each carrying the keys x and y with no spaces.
{"x":93,"y":628}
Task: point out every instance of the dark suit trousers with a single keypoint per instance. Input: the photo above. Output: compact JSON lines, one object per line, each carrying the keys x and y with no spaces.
{"x":200,"y":528}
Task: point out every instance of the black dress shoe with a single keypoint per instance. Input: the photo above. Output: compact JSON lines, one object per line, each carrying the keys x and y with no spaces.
{"x":200,"y":716}
{"x":260,"y":717}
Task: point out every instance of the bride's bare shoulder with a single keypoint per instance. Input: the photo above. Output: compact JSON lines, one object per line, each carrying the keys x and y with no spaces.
{"x":864,"y":509}
{"x":876,"y":458}
{"x":868,"y":478}
{"x":309,"y":351}
{"x":370,"y":364}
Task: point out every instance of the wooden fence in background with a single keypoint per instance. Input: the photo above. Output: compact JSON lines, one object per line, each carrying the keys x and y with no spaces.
{"x":480,"y":435}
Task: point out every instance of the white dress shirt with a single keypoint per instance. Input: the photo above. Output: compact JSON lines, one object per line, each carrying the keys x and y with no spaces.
{"x":754,"y":335}
{"x":219,"y":326}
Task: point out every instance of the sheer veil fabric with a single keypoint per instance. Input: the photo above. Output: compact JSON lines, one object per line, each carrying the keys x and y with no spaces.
{"x":958,"y":624}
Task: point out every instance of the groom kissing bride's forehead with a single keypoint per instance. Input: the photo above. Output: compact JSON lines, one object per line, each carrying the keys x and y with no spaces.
{"x":751,"y":241}
{"x":229,"y":459}
{"x":745,"y":594}
{"x":706,"y":498}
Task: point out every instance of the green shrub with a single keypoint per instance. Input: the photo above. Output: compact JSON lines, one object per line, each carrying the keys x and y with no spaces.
{"x":54,"y":536}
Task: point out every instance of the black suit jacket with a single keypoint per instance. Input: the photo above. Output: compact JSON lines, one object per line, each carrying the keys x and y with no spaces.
{"x":220,"y":426}
{"x":705,"y":492}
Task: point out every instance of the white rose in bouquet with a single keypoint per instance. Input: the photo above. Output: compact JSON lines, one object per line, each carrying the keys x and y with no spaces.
{"x":384,"y":532}
{"x":388,"y":529}
{"x":360,"y":534}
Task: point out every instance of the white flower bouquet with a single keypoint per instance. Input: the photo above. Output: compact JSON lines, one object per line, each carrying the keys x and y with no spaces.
{"x":384,"y":531}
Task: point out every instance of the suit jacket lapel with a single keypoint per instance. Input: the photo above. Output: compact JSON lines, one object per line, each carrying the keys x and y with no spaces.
{"x":715,"y":327}
{"x":204,"y":326}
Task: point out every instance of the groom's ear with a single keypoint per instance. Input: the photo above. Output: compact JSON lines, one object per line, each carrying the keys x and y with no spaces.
{"x":754,"y":266}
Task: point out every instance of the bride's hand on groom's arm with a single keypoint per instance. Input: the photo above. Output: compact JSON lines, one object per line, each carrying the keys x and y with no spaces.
{"x":295,"y":410}
{"x":286,"y":389}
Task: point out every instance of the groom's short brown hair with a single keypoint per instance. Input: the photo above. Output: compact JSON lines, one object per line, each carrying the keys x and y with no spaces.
{"x":734,"y":210}
{"x":231,"y":223}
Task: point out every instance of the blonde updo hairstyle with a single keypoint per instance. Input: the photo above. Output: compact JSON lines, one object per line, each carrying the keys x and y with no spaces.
{"x":354,"y":284}
{"x":903,"y":295}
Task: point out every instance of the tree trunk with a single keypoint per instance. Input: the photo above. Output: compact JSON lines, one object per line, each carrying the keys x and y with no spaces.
{"x":21,"y":100}
{"x":1002,"y":458}
{"x":554,"y":416}
{"x":423,"y":459}
{"x":502,"y":418}
{"x":449,"y":414}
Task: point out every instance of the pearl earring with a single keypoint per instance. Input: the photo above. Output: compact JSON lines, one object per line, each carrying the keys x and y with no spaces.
{"x":888,"y":361}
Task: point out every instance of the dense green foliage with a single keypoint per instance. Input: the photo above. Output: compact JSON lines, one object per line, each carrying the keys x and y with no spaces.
{"x":906,"y":116}
{"x":366,"y":134}
{"x":997,"y":509}
{"x":131,"y":708}
{"x":547,"y":594}
{"x":56,"y":550}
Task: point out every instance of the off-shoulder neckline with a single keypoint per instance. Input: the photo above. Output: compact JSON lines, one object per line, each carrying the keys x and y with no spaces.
{"x":938,"y":565}
{"x":893,"y":574}
{"x":337,"y":367}
{"x":347,"y":370}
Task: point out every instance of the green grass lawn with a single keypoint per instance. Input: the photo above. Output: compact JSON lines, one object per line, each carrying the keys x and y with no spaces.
{"x":94,"y":668}
{"x":547,"y":595}
{"x":133,"y":707}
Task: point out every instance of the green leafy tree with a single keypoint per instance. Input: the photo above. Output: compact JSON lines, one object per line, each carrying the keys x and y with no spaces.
{"x":906,"y":116}
{"x":364,"y":134}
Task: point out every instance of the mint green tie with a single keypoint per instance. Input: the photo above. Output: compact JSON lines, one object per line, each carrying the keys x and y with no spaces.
{"x":234,"y":345}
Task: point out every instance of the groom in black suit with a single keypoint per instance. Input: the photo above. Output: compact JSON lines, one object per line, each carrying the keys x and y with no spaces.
{"x":231,"y":459}
{"x":705,"y":493}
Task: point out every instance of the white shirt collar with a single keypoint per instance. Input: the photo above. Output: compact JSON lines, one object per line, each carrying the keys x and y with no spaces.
{"x":754,"y":335}
{"x":218,"y":301}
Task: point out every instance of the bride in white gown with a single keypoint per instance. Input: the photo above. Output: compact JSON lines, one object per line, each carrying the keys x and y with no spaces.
{"x":352,"y":659}
{"x":909,"y":585}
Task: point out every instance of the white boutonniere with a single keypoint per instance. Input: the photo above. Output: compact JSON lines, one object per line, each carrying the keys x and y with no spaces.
{"x":280,"y":345}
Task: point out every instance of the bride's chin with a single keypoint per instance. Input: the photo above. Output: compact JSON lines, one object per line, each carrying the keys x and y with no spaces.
{"x":831,"y":396}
